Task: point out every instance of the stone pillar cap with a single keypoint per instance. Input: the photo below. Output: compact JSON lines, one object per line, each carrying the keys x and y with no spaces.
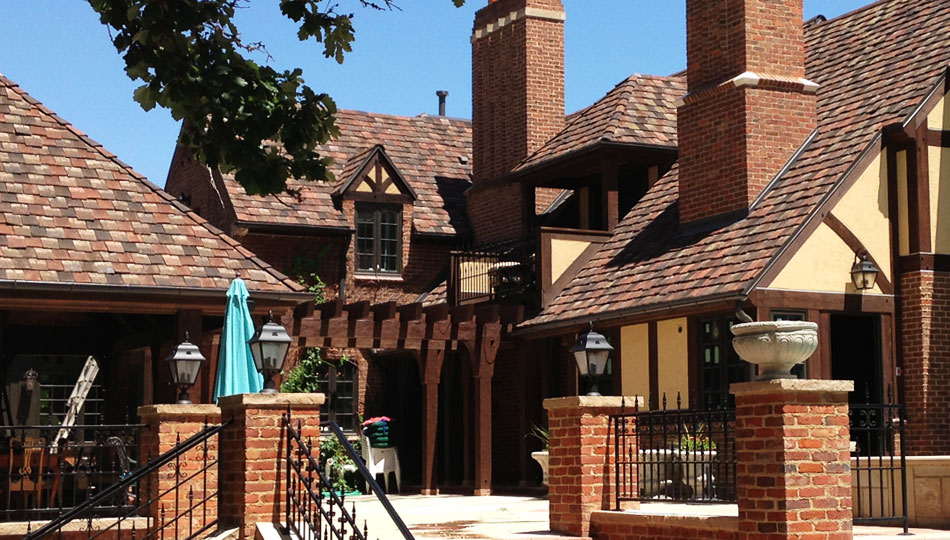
{"x":593,"y":402}
{"x":174,"y":409}
{"x":272,"y":400}
{"x":791,"y":385}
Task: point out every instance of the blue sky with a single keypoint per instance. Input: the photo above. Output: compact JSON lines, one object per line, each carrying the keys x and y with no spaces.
{"x":59,"y":53}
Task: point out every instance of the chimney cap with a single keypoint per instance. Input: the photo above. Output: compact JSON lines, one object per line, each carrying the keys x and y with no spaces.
{"x":442,"y":93}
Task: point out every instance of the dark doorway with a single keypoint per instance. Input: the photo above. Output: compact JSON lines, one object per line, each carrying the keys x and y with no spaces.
{"x":856,"y":355}
{"x":454,"y":464}
{"x":402,"y":401}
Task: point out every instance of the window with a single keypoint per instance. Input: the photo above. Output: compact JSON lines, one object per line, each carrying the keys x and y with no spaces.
{"x":338,"y":384}
{"x":378,"y":239}
{"x":719,"y":365}
{"x":801,"y":370}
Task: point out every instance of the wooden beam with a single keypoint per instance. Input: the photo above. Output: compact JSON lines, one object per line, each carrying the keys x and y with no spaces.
{"x":850,"y":303}
{"x":431,"y":374}
{"x":853,"y":243}
{"x":918,"y":192}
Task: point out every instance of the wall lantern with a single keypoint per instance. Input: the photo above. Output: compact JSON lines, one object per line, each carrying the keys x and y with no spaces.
{"x":185,"y":363}
{"x":590,"y":353}
{"x":863,"y":272}
{"x":269,"y":347}
{"x":30,"y":379}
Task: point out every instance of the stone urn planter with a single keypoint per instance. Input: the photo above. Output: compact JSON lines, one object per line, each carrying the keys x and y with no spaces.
{"x":542,"y":458}
{"x":775,"y":346}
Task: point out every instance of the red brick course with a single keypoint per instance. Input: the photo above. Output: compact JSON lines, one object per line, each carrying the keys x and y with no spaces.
{"x":518,"y":105}
{"x":167,"y":425}
{"x":793,"y":471}
{"x":624,"y":526}
{"x":252,"y":466}
{"x":580,"y":460}
{"x":925,"y":319}
{"x":734,"y":141}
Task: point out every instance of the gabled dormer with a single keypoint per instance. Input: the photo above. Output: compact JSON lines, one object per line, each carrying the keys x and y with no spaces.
{"x":378,"y":201}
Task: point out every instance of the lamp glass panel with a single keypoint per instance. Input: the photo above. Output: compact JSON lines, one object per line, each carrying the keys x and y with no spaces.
{"x":256,"y":353}
{"x":581,"y":358}
{"x":598,"y":360}
{"x":188,"y":370}
{"x":272,"y":354}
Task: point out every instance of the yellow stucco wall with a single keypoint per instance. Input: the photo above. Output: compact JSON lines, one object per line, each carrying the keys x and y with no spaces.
{"x":635,"y":351}
{"x":939,"y":117}
{"x":823,"y":263}
{"x":939,"y":168}
{"x":563,"y":253}
{"x":673,"y":360}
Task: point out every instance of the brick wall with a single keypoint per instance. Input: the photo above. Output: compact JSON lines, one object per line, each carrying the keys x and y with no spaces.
{"x":167,"y":425}
{"x":793,"y":462}
{"x":518,"y":104}
{"x":194,"y":180}
{"x":925,"y":304}
{"x":734,"y":140}
{"x":626,"y":526}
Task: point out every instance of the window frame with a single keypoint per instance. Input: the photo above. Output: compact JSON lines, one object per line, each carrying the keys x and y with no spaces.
{"x":328,"y":386}
{"x":729,"y":360}
{"x":377,"y":253}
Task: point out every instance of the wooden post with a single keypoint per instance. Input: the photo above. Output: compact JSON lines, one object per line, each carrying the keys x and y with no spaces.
{"x":431,"y":374}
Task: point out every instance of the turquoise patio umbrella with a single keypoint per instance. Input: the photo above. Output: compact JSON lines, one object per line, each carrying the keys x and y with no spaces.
{"x":236,"y":371}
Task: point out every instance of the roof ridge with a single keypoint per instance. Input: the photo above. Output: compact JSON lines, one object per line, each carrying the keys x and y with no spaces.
{"x":421,"y":116}
{"x":851,"y":13}
{"x":98,"y":147}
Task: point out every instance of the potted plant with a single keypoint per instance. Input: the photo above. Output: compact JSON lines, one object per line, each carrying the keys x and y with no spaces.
{"x":541,"y":456}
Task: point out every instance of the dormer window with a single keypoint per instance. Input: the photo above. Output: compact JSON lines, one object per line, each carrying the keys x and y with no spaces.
{"x":378,"y":238}
{"x":381,"y":196}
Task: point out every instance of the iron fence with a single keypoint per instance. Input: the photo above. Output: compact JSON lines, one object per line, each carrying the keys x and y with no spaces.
{"x":493,"y":271}
{"x":313,"y":509}
{"x":878,"y":467}
{"x":679,"y":454}
{"x":173,"y":495}
{"x":48,"y":469}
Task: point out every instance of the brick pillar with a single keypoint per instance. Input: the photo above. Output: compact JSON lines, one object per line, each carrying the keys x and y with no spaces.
{"x":794,"y":469}
{"x":252,"y":467}
{"x":166,"y":425}
{"x":580,"y":470}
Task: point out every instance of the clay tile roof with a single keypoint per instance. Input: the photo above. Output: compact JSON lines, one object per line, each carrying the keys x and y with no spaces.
{"x":432,"y":153}
{"x":638,"y":111}
{"x":74,"y":214}
{"x":875,"y":66}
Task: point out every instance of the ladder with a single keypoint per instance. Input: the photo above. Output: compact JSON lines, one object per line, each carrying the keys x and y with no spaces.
{"x":77,"y":398}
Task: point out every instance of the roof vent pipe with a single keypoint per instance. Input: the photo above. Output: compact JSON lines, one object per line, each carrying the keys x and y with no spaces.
{"x":442,"y":95}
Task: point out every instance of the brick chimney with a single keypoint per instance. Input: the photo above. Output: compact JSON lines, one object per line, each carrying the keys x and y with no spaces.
{"x":748,"y":106}
{"x":517,"y":103}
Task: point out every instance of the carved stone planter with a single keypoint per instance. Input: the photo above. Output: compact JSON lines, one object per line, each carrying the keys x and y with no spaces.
{"x":542,"y":458}
{"x":775,"y":346}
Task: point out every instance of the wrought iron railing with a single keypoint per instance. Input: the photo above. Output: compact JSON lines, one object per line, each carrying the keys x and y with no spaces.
{"x":313,"y":509}
{"x":47,"y":470}
{"x":682,"y":455}
{"x":879,"y":470}
{"x":493,"y":271}
{"x":172,"y":496}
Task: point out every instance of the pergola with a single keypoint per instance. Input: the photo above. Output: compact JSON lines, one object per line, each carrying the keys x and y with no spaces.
{"x":428,"y":332}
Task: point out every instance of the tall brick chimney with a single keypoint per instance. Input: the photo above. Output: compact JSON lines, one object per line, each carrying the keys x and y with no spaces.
{"x":748,"y":106}
{"x":517,"y":103}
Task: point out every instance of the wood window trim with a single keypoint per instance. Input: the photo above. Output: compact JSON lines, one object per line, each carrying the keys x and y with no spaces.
{"x":377,"y":271}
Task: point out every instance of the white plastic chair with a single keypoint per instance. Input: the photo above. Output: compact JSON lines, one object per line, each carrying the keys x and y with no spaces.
{"x":382,"y":461}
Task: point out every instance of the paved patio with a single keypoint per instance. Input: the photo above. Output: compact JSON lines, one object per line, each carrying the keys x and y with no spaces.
{"x":526,"y":518}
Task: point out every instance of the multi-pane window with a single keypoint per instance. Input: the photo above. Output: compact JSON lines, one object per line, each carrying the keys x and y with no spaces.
{"x":799,"y":370}
{"x":338,"y":384}
{"x":719,"y":365}
{"x":378,"y":229}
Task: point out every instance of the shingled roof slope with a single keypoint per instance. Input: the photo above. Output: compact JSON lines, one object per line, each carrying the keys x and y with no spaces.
{"x":432,"y":153}
{"x":638,"y":111}
{"x":875,"y":66}
{"x":72,"y":213}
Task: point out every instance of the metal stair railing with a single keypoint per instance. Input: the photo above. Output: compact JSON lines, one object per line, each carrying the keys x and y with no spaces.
{"x":156,"y":525}
{"x":313,"y":508}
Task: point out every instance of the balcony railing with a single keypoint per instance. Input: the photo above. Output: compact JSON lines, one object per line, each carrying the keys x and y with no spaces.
{"x":45,"y":470}
{"x":493,"y":271}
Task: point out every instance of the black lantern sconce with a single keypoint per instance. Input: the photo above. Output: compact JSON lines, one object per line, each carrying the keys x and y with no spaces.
{"x":591,"y":352}
{"x":185,"y":362}
{"x":863,"y":272}
{"x":269,"y":347}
